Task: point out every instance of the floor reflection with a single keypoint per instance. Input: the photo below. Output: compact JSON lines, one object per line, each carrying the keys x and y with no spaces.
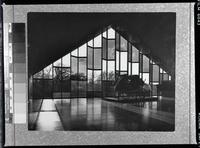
{"x":95,"y":114}
{"x":48,"y":118}
{"x":164,"y":104}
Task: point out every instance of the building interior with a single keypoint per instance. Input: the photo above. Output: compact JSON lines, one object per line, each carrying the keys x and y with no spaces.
{"x":101,"y":71}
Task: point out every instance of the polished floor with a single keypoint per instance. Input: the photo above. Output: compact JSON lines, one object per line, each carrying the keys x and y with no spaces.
{"x":48,"y":119}
{"x":95,"y":114}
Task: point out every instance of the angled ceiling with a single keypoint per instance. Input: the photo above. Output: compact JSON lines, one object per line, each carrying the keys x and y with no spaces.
{"x":52,"y":35}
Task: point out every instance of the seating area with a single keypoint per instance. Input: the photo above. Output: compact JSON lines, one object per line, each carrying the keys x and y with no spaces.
{"x":131,"y":86}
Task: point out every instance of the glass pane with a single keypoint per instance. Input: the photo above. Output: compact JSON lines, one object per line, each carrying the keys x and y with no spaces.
{"x":104,"y":48}
{"x":97,"y":57}
{"x":111,"y":33}
{"x":123,"y":44}
{"x":108,"y":89}
{"x":38,"y":75}
{"x":82,"y":51}
{"x":75,"y":52}
{"x":74,"y":88}
{"x":155,"y":73}
{"x":165,"y":77}
{"x":154,"y":90}
{"x":57,"y":63}
{"x":145,"y":64}
{"x":97,"y":75}
{"x":66,"y":82}
{"x":123,"y":72}
{"x":38,"y":85}
{"x":117,"y":41}
{"x":66,"y":61}
{"x":104,"y":70}
{"x":123,"y":61}
{"x":135,"y":68}
{"x":161,"y":77}
{"x":111,"y":49}
{"x":48,"y":88}
{"x":48,"y":72}
{"x":57,"y":73}
{"x":140,"y":75}
{"x":97,"y":41}
{"x":57,"y":85}
{"x":155,"y":83}
{"x":161,"y":70}
{"x":105,"y":34}
{"x":117,"y":60}
{"x":135,"y":54}
{"x":170,"y":78}
{"x":146,"y":78}
{"x":90,"y":43}
{"x":74,"y":65}
{"x":90,"y":80}
{"x":82,"y":69}
{"x":111,"y":70}
{"x":82,"y":88}
{"x":97,"y":80}
{"x":90,"y":57}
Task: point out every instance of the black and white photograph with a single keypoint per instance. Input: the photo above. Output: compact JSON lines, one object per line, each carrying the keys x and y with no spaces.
{"x":101,"y":71}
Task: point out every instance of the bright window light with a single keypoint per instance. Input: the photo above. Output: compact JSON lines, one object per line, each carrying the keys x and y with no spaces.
{"x":135,"y":68}
{"x":155,"y":73}
{"x":66,"y":60}
{"x":82,"y":51}
{"x":123,"y":61}
{"x":111,"y":66}
{"x":111,"y":70}
{"x":145,"y":64}
{"x":90,"y":43}
{"x":111,"y":33}
{"x":135,"y":54}
{"x":57,"y":63}
{"x":104,"y":70}
{"x":104,"y":34}
{"x":161,"y":70}
{"x":48,"y":72}
{"x":75,"y":52}
{"x":97,"y":41}
{"x":104,"y":65}
{"x":123,"y":44}
{"x":146,"y":78}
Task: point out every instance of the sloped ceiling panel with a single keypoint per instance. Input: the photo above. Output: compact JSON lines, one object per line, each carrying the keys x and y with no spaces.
{"x":52,"y":35}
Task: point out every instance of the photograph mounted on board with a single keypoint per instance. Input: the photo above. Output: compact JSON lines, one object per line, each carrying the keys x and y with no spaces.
{"x":101,"y":71}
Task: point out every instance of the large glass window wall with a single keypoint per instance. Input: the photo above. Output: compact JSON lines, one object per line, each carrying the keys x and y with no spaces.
{"x":92,"y":69}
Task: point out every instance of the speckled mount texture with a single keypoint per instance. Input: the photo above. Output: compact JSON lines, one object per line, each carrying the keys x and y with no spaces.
{"x":18,"y":135}
{"x":1,"y":81}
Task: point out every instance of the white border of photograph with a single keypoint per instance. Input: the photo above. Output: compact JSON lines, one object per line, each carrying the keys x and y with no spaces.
{"x":18,"y":134}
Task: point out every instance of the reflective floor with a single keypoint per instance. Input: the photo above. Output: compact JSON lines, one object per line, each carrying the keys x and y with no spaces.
{"x":48,"y":119}
{"x":95,"y":114}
